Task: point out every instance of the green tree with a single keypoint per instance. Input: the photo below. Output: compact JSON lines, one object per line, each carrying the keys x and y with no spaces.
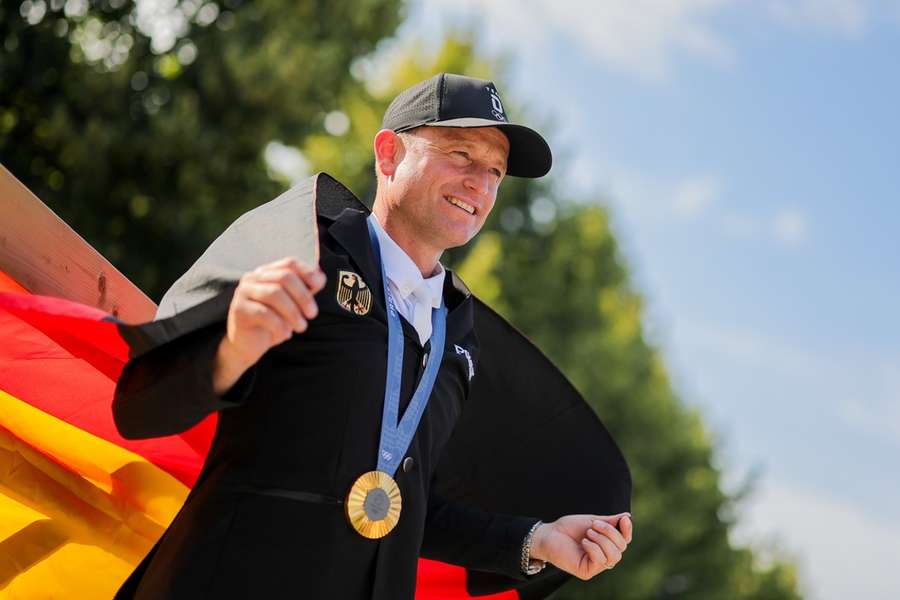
{"x":146,"y":133}
{"x":147,"y":136}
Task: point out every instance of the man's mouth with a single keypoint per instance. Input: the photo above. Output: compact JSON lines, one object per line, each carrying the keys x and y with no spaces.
{"x":463,"y":205}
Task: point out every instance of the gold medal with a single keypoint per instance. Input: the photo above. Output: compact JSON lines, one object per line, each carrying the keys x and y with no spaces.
{"x":373,"y":504}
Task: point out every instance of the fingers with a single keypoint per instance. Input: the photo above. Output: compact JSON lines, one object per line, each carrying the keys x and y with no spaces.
{"x":626,"y":526}
{"x":286,"y":287}
{"x":611,"y":552}
{"x":596,"y":556}
{"x":276,"y":299}
{"x":600,"y":526}
{"x":312,"y":276}
{"x":296,"y":289}
{"x":621,"y":522}
{"x":260,"y":315}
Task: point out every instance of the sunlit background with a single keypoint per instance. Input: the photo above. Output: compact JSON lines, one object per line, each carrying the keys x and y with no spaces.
{"x":749,"y":153}
{"x":746,"y":152}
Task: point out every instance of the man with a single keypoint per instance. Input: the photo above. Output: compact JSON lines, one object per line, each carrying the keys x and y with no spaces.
{"x":319,"y":483}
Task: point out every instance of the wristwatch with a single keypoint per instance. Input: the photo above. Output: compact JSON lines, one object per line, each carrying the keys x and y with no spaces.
{"x":531,"y":566}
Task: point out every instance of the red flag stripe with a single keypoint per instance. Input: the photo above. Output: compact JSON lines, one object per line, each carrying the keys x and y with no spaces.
{"x":48,"y":367}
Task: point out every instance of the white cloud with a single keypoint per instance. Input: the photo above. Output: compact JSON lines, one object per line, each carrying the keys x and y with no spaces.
{"x":790,"y":226}
{"x":751,"y":350}
{"x":843,"y":551}
{"x":789,"y":406}
{"x":638,"y":36}
{"x":641,"y":36}
{"x":787,"y":226}
{"x":646,"y":37}
{"x":645,"y":200}
{"x":856,"y":389}
{"x":843,"y":17}
{"x":694,"y":195}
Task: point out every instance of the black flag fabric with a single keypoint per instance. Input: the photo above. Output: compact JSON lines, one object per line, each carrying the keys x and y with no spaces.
{"x":527,"y":443}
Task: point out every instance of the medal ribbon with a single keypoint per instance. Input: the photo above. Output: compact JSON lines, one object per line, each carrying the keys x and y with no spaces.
{"x":396,"y":436}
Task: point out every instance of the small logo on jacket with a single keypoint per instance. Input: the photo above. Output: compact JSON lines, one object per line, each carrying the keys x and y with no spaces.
{"x":464,"y":352}
{"x":353,"y":294}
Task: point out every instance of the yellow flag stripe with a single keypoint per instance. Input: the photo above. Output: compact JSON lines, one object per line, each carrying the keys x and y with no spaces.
{"x":63,"y":490}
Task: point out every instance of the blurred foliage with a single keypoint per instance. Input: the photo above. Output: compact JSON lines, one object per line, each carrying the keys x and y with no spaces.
{"x":149,"y":145}
{"x":146,"y":132}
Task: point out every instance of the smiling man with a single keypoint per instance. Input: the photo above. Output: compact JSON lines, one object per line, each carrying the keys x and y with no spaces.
{"x":436,"y":186}
{"x":338,"y":384}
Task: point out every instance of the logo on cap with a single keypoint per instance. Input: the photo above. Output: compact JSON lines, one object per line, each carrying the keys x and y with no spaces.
{"x":496,"y":105}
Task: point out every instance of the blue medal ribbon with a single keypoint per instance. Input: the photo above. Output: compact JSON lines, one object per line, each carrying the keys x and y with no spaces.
{"x":396,"y":436}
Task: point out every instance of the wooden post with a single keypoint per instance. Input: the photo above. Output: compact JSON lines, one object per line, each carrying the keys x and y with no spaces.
{"x":47,"y":257}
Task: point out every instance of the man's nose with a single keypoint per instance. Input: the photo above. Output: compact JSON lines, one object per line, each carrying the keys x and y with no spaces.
{"x":478,"y":180}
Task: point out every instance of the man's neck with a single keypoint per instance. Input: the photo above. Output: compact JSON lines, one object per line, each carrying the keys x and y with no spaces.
{"x":426,"y":259}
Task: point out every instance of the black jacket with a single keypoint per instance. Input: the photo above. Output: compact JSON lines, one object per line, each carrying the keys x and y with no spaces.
{"x":265,"y":518}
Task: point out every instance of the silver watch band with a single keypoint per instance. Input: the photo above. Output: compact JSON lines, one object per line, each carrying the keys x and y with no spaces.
{"x":531,"y":566}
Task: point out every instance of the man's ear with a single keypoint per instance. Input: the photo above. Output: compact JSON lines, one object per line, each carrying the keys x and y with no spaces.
{"x":388,"y":152}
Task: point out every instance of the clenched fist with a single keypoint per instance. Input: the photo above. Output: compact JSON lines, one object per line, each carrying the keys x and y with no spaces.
{"x":269,"y":305}
{"x":583,"y":545}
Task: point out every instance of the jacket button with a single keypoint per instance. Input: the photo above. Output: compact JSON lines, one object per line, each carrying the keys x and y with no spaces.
{"x":425,"y":359}
{"x":408,"y":464}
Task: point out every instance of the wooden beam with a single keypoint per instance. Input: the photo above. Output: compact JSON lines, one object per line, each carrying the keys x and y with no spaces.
{"x":47,"y":257}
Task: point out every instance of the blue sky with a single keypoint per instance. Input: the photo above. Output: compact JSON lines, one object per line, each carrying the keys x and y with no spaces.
{"x":747,"y":151}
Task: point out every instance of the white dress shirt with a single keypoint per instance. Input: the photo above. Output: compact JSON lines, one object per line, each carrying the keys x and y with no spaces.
{"x":413,"y":295}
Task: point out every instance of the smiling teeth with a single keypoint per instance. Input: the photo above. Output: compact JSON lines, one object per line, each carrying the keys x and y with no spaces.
{"x":466,"y":207}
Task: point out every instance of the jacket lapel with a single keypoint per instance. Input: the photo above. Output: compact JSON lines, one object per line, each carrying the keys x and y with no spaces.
{"x":351,"y":232}
{"x":459,"y":301}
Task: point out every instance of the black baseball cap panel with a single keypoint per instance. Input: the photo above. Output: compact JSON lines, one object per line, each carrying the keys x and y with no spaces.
{"x":448,"y":100}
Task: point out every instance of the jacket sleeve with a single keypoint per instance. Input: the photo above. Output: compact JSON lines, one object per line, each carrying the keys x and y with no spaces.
{"x":169,"y":389}
{"x":474,"y":538}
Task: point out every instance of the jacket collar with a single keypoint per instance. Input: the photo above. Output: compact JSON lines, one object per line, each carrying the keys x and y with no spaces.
{"x":347,"y":216}
{"x":403,"y":272}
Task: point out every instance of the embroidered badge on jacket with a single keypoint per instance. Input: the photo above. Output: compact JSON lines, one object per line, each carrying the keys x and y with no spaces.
{"x":353,"y":294}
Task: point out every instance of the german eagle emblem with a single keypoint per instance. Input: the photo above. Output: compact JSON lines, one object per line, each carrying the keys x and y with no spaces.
{"x":353,"y":294}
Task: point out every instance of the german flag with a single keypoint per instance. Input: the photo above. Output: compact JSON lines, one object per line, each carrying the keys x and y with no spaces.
{"x":80,"y":506}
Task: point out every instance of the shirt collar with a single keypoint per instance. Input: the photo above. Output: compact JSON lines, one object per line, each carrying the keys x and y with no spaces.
{"x":400,"y":269}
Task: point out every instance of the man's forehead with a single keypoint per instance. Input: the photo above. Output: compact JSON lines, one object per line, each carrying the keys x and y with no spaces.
{"x":489,"y":140}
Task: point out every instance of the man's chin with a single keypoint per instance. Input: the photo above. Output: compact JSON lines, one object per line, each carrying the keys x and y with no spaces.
{"x":457,"y":241}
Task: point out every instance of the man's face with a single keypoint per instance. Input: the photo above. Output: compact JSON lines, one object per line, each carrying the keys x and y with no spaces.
{"x":447,"y":182}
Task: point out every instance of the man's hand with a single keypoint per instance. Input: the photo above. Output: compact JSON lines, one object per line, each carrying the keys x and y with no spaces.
{"x":583,"y":545}
{"x":269,"y":305}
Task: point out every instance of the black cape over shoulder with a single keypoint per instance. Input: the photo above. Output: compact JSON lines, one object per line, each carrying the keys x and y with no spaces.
{"x":526,"y":443}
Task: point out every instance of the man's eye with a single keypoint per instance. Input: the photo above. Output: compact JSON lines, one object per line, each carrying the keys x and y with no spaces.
{"x":460,"y":154}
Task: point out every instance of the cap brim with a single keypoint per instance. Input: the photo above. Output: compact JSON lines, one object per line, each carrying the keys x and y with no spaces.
{"x":529,"y":153}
